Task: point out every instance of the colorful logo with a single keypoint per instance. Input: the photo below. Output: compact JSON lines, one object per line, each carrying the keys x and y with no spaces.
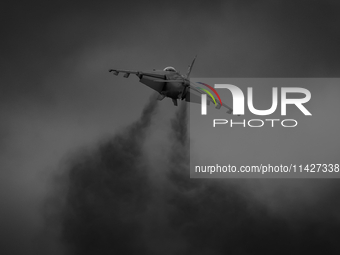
{"x":208,"y":92}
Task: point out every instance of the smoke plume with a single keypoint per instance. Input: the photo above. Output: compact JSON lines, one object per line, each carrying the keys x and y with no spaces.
{"x":108,"y":193}
{"x":214,"y":217}
{"x":114,"y":206}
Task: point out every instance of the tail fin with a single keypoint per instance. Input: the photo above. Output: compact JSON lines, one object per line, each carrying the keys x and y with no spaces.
{"x":190,"y":67}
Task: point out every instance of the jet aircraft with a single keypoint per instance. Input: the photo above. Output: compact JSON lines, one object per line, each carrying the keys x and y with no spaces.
{"x":170,"y":83}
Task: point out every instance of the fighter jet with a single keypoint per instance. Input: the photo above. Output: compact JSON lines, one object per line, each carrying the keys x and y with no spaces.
{"x":170,"y":83}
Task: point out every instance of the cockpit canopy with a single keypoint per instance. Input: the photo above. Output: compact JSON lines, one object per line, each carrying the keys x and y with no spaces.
{"x":170,"y":69}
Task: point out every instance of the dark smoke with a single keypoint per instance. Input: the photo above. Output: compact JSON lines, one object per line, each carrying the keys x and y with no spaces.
{"x":179,"y":154}
{"x":113,"y":206}
{"x":220,"y":218}
{"x":108,"y":193}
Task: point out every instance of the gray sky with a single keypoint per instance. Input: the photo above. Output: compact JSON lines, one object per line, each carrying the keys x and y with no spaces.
{"x":57,"y":96}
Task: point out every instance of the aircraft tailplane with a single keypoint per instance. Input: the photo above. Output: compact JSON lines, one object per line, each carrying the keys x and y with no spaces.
{"x":190,"y":67}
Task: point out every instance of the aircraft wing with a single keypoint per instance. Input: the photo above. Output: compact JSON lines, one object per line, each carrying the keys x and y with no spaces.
{"x":194,"y":96}
{"x":153,"y":79}
{"x":155,"y":76}
{"x":126,"y":72}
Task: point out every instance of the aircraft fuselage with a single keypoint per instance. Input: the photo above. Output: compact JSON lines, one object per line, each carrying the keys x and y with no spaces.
{"x":169,"y":89}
